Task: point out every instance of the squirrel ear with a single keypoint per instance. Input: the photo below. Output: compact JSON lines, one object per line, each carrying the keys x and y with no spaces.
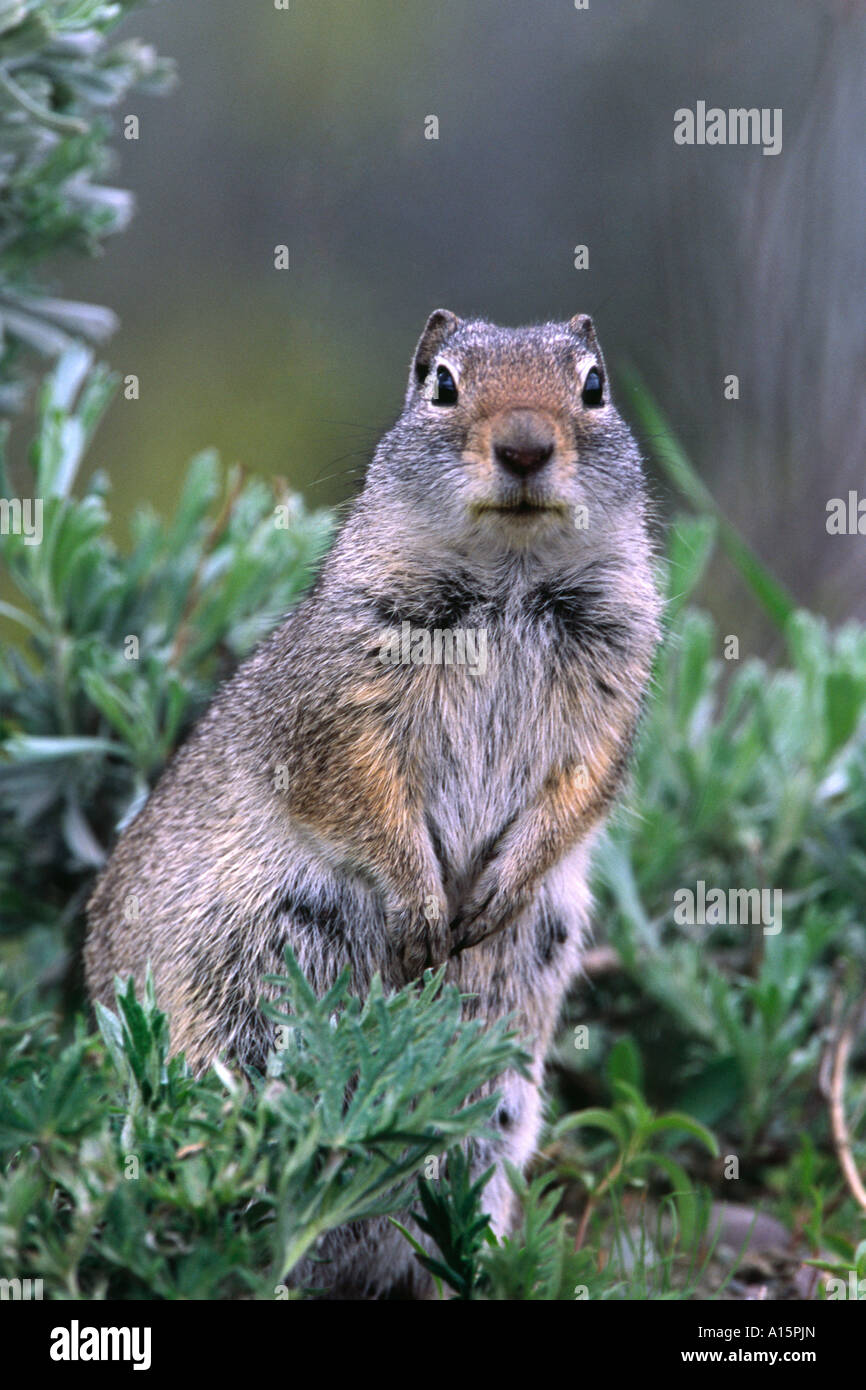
{"x":440,"y":325}
{"x":584,"y":328}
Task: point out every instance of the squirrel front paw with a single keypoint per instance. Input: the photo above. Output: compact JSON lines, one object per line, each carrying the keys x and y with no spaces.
{"x":418,"y":939}
{"x":491,"y":907}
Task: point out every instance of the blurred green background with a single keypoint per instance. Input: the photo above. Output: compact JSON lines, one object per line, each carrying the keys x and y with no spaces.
{"x":306,"y":127}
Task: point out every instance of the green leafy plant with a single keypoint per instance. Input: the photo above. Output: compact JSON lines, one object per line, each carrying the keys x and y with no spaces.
{"x":60,"y":77}
{"x":119,"y":652}
{"x":636,"y":1133}
{"x":538,"y":1260}
{"x":452,"y":1216}
{"x":759,"y":781}
{"x":122,"y":1176}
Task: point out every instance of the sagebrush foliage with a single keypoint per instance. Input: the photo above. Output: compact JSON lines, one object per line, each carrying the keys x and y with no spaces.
{"x":748,"y":777}
{"x":86,"y":719}
{"x":60,"y":78}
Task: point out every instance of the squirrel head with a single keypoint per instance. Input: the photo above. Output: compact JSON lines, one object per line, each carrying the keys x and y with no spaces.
{"x":509,"y":433}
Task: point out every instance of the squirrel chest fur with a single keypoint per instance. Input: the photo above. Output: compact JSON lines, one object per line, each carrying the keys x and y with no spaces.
{"x":409,"y":772}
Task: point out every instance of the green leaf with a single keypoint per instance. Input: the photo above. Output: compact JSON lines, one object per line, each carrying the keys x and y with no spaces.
{"x":675,"y":1121}
{"x":593,"y":1118}
{"x":12,"y":12}
{"x":21,"y":748}
{"x":689,"y":546}
{"x":624,"y":1063}
{"x":845,"y":700}
{"x":714,"y":1092}
{"x":678,"y":468}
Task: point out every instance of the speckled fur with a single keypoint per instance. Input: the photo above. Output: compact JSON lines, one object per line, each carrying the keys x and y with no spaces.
{"x":409,"y":785}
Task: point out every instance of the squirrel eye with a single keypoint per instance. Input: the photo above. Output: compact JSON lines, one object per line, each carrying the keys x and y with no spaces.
{"x":593,"y":388}
{"x":445,"y":388}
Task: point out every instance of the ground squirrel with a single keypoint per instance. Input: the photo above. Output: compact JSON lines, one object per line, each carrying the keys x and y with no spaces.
{"x":411,"y":769}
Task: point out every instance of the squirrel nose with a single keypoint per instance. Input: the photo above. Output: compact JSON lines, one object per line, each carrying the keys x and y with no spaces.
{"x":523,"y":441}
{"x":522,"y":459}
